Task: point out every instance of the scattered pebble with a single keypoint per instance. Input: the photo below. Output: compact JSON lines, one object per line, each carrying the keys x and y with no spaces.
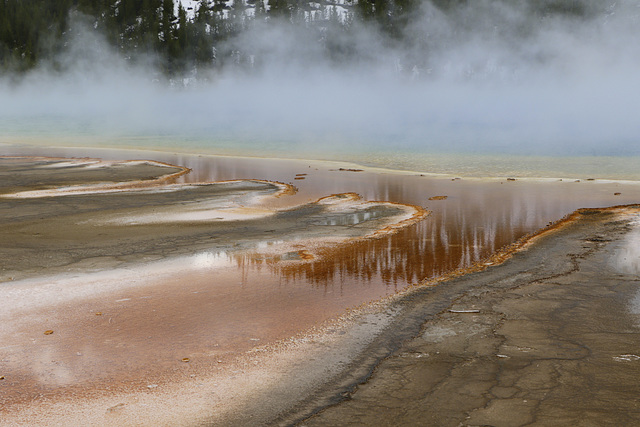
{"x":185,"y":359}
{"x":98,"y":313}
{"x":117,"y":407}
{"x":511,"y":179}
{"x":617,"y":194}
{"x":49,"y":332}
{"x":471,"y":310}
{"x":152,"y":386}
{"x":438,"y":198}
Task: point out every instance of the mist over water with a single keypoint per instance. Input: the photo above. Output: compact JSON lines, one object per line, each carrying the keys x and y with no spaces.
{"x":488,"y":79}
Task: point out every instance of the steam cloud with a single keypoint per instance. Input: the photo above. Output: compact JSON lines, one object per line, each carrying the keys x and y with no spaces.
{"x":486,"y":79}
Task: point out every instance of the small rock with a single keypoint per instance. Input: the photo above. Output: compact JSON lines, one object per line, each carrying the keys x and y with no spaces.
{"x":116,"y":408}
{"x":470,"y":310}
{"x":49,"y":332}
{"x":185,"y":359}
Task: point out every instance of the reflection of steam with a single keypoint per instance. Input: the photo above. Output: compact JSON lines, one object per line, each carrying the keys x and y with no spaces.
{"x":210,"y":260}
{"x":627,"y":261}
{"x":628,"y":257}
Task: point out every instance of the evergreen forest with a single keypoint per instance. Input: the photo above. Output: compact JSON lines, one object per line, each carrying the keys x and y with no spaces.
{"x":197,"y":35}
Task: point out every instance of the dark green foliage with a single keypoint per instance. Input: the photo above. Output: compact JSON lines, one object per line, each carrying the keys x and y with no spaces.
{"x":29,"y":30}
{"x":33,"y":31}
{"x":391,"y":16}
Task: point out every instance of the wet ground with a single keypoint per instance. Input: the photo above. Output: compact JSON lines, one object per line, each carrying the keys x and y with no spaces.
{"x":548,"y":338}
{"x":109,"y":282}
{"x":121,"y":332}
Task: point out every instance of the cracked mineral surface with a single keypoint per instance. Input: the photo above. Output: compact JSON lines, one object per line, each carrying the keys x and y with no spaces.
{"x":550,"y":337}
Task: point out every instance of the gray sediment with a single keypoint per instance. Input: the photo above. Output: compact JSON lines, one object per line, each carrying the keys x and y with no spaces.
{"x":37,"y":173}
{"x":546,"y":338}
{"x":65,"y":229}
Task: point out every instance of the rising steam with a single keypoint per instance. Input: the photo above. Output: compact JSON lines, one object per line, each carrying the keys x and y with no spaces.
{"x":489,"y":78}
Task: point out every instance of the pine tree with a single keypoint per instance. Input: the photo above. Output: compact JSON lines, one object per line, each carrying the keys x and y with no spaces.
{"x":280,"y":9}
{"x":259,"y":10}
{"x":181,"y":30}
{"x":166,"y":29}
{"x":238,"y":14}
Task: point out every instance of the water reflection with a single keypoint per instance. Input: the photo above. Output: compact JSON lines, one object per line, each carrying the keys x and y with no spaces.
{"x":349,"y":219}
{"x":477,"y":218}
{"x":627,"y":259}
{"x":428,"y":249}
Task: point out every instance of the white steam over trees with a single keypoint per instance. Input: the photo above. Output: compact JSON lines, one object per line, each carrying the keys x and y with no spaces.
{"x":406,"y":76}
{"x":188,"y":35}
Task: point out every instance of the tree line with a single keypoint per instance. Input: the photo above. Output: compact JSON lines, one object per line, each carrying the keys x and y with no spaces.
{"x":36,"y":31}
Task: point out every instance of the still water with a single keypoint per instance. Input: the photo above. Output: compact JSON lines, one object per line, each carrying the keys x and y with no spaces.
{"x":478,"y":216}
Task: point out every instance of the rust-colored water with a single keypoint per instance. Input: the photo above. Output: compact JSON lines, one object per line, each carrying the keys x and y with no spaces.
{"x":477,"y":217}
{"x":211,"y":314}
